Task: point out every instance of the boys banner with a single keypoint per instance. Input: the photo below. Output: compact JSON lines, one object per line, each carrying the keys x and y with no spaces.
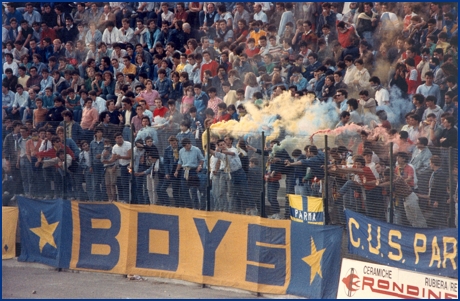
{"x":9,"y":225}
{"x":306,"y":209}
{"x":246,"y":252}
{"x":432,"y":251}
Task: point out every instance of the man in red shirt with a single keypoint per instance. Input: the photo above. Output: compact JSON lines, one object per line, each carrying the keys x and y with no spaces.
{"x":404,"y":170}
{"x":208,"y":64}
{"x":51,"y":153}
{"x":373,"y":204}
{"x":47,"y":33}
{"x":344,"y":33}
{"x":222,"y":114}
{"x":160,"y":110}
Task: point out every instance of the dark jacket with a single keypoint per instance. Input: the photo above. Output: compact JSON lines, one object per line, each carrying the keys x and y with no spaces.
{"x":315,"y":163}
{"x":10,"y":148}
{"x":123,"y":113}
{"x":170,"y":164}
{"x":76,"y":131}
{"x":55,"y":114}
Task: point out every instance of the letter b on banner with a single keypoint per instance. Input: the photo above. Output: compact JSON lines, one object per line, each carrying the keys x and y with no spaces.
{"x":269,"y":262}
{"x":157,"y":241}
{"x":99,"y":225}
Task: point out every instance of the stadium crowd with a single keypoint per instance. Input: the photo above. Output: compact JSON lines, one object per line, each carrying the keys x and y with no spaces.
{"x":80,"y":79}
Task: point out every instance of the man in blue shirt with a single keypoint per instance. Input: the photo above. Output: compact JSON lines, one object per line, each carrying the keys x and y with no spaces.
{"x":46,"y":82}
{"x":7,"y":99}
{"x":12,"y":13}
{"x":189,"y":165}
{"x":163,"y":85}
{"x":201,"y":100}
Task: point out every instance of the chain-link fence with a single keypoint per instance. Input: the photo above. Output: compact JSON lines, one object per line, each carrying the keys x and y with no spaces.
{"x":242,"y":172}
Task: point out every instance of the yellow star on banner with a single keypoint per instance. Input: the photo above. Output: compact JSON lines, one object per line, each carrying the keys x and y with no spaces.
{"x":314,"y":261}
{"x":45,"y":232}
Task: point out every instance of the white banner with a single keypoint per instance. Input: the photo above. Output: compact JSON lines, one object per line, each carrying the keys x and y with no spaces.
{"x":363,"y":280}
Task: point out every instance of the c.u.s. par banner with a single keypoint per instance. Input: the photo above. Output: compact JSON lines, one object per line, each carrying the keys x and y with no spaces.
{"x":432,"y":251}
{"x":246,"y":252}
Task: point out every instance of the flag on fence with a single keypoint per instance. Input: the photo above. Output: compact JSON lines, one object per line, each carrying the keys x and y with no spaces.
{"x":315,"y":260}
{"x":9,"y":225}
{"x":432,"y":251}
{"x":306,"y":209}
{"x":46,"y":231}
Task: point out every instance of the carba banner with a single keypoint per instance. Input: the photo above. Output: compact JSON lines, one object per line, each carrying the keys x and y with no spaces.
{"x":246,"y":252}
{"x":9,"y":225}
{"x":365,"y":280}
{"x":432,"y":251}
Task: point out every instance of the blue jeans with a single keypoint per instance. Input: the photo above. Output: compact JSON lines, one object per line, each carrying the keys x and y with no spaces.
{"x":77,"y":115}
{"x":100,"y":193}
{"x":123,"y":184}
{"x":239,"y":188}
{"x":126,"y":133}
{"x":272,"y":195}
{"x":163,"y":184}
{"x":187,"y":189}
{"x":140,"y":191}
{"x":89,"y":180}
{"x":346,"y":192}
{"x":26,"y":173}
{"x":367,"y":35}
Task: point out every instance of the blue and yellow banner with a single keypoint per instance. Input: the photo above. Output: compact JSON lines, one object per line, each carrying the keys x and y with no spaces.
{"x":46,"y":231}
{"x":432,"y":251}
{"x":224,"y":249}
{"x":316,"y":259}
{"x":306,"y":209}
{"x":9,"y":225}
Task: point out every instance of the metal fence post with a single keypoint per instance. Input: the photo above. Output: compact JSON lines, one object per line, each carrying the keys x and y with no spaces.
{"x":208,"y":166}
{"x":132,"y":165}
{"x":391,"y":184}
{"x":451,"y":190}
{"x":262,"y":197}
{"x":64,"y":179}
{"x":326,"y":184}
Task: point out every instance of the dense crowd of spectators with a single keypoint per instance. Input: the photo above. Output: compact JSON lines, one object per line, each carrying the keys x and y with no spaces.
{"x":79,"y":80}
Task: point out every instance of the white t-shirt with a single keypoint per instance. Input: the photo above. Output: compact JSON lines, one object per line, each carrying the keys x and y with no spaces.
{"x":381,"y":96}
{"x":122,"y":151}
{"x":14,"y":66}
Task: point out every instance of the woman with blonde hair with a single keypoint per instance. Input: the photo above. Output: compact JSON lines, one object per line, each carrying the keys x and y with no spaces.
{"x":250,"y":80}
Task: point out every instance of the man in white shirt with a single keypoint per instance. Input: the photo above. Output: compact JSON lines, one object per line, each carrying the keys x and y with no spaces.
{"x":110,"y":35}
{"x":117,"y":66}
{"x":21,"y":102}
{"x":239,"y":187}
{"x":122,"y":153}
{"x":259,"y":14}
{"x":126,"y":33}
{"x":98,"y":102}
{"x":382,"y":96}
{"x":10,"y":64}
